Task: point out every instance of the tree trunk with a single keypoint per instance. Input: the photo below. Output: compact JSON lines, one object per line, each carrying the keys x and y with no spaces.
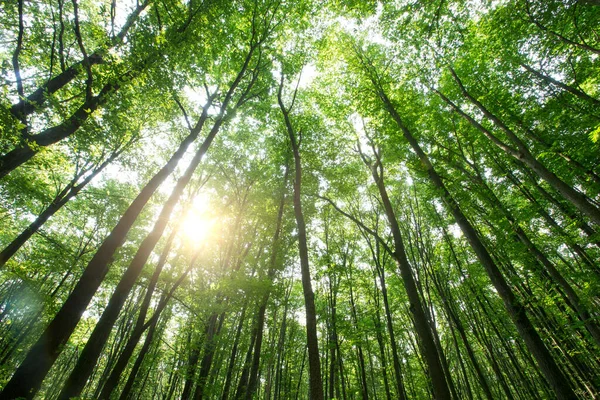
{"x":314,"y":366}
{"x":192,"y":365}
{"x":515,"y":309}
{"x":281,"y":346}
{"x":550,"y":272}
{"x":242,"y":386}
{"x":210,"y":344}
{"x":380,"y":343}
{"x":361,"y":360}
{"x":427,"y":344}
{"x":28,"y":377}
{"x":448,"y":303}
{"x":140,"y":358}
{"x":24,"y":152}
{"x":380,"y":276}
{"x":522,"y":154}
{"x":140,"y":325}
{"x":93,"y":348}
{"x":62,"y":198}
{"x":260,"y":321}
{"x":113,"y":379}
{"x":232,"y":357}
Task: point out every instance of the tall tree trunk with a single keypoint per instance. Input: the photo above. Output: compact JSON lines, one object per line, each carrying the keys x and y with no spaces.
{"x":140,"y":358}
{"x":359,"y":351}
{"x":63,"y":197}
{"x":549,"y":270}
{"x":173,"y":381}
{"x":380,"y":343}
{"x":141,"y":325}
{"x":448,"y":303}
{"x":232,"y":357}
{"x":260,"y":321}
{"x":242,"y":386}
{"x":210,"y":345}
{"x":281,"y":345}
{"x":553,"y":224}
{"x":333,"y":336}
{"x":113,"y":379}
{"x":28,"y":377}
{"x":523,"y":154}
{"x":467,"y":382}
{"x":515,"y":309}
{"x":315,"y":380}
{"x":427,"y":344}
{"x":380,"y":276}
{"x":192,"y":365}
{"x":93,"y":348}
{"x":401,"y":391}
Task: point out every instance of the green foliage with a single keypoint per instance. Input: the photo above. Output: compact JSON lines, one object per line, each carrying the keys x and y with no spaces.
{"x":529,"y":75}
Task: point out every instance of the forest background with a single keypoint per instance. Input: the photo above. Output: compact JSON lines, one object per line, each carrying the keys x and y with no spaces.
{"x":279,"y":199}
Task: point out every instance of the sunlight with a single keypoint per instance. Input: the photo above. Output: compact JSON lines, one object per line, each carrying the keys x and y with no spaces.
{"x":198,"y":224}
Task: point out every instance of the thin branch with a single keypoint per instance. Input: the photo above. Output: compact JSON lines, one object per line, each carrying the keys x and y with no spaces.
{"x":296,"y":89}
{"x":61,"y":43}
{"x":17,"y":52}
{"x":113,"y":14}
{"x":130,"y":21}
{"x":86,"y":60}
{"x":187,"y":120}
{"x":359,"y":223}
{"x":544,"y":28}
{"x":53,"y":49}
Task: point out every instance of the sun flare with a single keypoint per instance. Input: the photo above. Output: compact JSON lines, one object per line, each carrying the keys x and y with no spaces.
{"x":198,"y":223}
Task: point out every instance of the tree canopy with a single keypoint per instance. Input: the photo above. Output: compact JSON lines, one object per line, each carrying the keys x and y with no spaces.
{"x":274,"y":199}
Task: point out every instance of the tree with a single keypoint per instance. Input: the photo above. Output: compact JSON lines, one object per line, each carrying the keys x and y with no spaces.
{"x":316,"y":384}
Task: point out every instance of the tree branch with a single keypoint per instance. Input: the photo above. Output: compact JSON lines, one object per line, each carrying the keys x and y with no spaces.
{"x":359,"y":223}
